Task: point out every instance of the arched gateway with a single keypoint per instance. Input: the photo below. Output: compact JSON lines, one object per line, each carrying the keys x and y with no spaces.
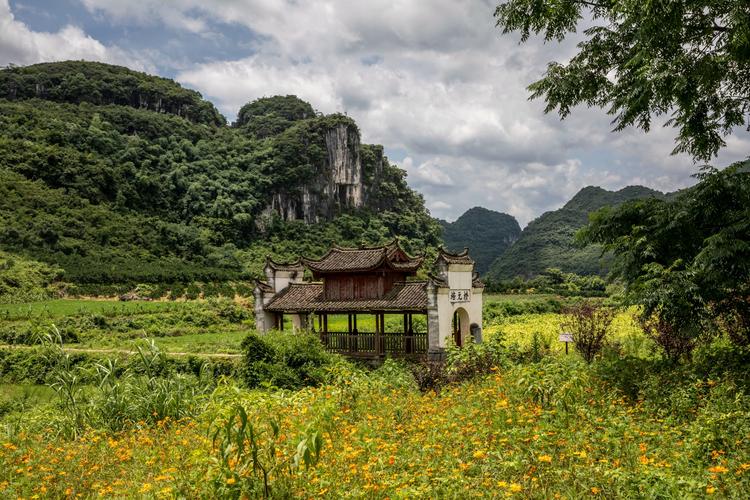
{"x":363,"y":303}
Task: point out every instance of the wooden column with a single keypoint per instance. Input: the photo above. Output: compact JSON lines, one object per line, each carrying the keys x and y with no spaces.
{"x":355,"y":341}
{"x":378,"y":333}
{"x":381,"y":340}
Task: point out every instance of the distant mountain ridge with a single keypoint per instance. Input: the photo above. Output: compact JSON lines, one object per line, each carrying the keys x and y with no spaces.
{"x":485,"y":232}
{"x":548,"y":240}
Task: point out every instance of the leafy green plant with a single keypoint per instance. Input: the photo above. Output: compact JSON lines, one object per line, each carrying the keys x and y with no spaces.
{"x":284,"y":360}
{"x":247,"y":457}
{"x":588,"y":324}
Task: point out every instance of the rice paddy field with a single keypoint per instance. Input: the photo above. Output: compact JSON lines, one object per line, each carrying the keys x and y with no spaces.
{"x":538,"y":424}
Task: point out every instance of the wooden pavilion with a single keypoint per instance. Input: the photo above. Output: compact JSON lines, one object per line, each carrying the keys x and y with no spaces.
{"x":376,"y":281}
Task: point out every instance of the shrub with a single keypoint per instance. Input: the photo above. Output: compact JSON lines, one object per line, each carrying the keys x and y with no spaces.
{"x":588,"y":323}
{"x":285,"y":360}
{"x":429,"y":375}
{"x":675,"y":342}
{"x":475,"y":359}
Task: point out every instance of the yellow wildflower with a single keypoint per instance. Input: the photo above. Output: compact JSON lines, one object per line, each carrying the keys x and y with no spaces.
{"x":545,"y":458}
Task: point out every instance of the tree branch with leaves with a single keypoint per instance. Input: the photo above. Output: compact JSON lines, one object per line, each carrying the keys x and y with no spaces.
{"x":687,"y":60}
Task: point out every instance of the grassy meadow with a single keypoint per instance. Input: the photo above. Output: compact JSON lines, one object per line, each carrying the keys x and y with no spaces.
{"x":534,"y":424}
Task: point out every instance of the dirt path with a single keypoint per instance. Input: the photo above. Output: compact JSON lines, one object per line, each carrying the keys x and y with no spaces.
{"x":125,"y":351}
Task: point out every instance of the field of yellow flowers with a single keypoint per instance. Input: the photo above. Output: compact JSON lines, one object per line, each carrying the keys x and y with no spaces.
{"x":547,"y":430}
{"x":543,"y":427}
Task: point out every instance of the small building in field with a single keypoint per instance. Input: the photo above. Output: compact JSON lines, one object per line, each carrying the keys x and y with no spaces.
{"x":365,"y":302}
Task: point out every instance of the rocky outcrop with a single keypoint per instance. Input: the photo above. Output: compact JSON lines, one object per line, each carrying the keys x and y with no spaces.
{"x":338,"y":184}
{"x":345,"y":165}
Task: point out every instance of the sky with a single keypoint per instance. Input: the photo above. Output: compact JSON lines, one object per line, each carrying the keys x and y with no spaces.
{"x":434,"y":81}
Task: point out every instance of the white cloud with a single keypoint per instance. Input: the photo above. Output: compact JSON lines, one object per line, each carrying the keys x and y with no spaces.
{"x":21,"y":45}
{"x":438,"y":205}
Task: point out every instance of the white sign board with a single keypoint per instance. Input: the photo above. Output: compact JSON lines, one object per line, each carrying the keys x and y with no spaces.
{"x":566,"y":337}
{"x":460,"y":295}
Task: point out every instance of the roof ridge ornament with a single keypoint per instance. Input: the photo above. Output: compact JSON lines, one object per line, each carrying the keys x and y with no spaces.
{"x":295,"y":265}
{"x":449,"y":257}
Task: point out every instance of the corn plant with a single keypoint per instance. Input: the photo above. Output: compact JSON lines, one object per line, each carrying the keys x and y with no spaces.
{"x":248,"y":459}
{"x":115,"y":399}
{"x":66,"y":380}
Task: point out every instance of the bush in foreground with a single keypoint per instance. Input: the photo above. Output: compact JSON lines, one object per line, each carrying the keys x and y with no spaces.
{"x":284,"y":360}
{"x":588,"y":324}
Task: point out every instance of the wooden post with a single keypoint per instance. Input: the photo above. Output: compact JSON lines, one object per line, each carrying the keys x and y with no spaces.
{"x":355,"y":341}
{"x":382,"y":333}
{"x":378,"y":333}
{"x":407,"y":341}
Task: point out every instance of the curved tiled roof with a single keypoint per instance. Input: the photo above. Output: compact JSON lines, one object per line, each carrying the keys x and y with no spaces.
{"x":455,"y":258}
{"x":263,"y":286}
{"x":342,"y":259}
{"x":284,"y":266}
{"x":477,"y":282}
{"x":309,"y":297}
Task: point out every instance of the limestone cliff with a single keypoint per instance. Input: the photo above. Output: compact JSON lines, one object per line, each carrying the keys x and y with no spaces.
{"x":336,"y":185}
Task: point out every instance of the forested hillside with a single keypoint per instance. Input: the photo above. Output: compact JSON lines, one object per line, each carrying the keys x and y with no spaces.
{"x":120,"y":177}
{"x":548,"y":241}
{"x":485,"y":232}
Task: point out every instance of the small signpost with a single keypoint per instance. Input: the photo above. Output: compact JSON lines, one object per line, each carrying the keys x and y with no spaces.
{"x":567,"y":338}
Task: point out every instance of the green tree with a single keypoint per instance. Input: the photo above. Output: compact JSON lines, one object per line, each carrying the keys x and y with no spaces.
{"x":689,"y":59}
{"x":686,"y":261}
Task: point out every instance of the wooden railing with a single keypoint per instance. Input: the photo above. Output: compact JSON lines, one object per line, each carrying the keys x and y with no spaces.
{"x":395,"y":344}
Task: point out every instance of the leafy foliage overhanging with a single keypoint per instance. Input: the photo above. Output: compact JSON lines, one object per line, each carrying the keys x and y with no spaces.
{"x":688,"y":59}
{"x":687,"y":261}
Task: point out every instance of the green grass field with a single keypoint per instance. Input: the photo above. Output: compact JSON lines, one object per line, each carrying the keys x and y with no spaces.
{"x":190,"y":326}
{"x":194,"y":326}
{"x":198,"y":343}
{"x":77,"y":307}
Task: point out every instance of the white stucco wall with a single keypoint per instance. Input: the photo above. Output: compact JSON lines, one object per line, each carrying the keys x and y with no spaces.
{"x":460,"y":276}
{"x":446,"y":308}
{"x":283,"y":278}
